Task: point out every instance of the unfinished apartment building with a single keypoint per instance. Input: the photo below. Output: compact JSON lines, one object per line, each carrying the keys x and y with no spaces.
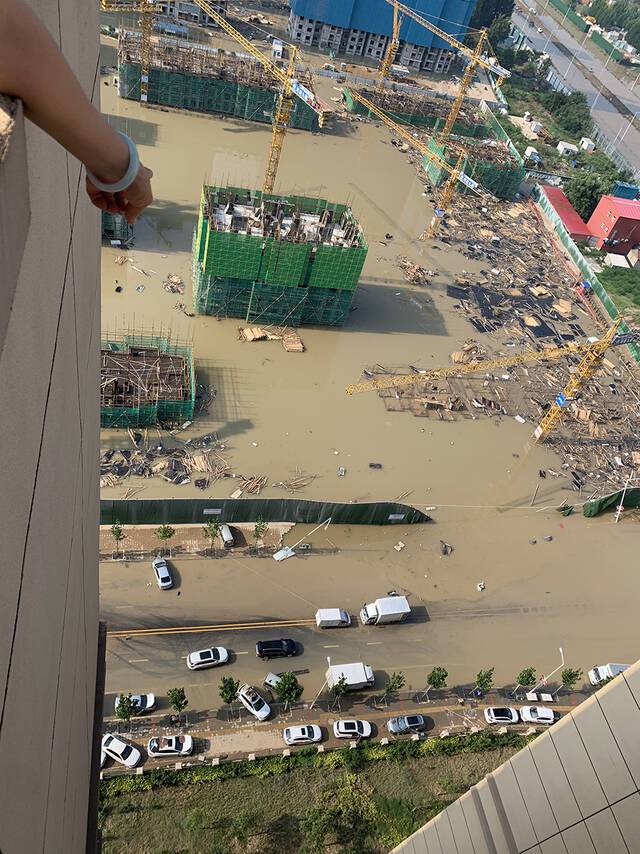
{"x":285,"y":260}
{"x":145,"y":379}
{"x":191,"y":13}
{"x":362,"y":28}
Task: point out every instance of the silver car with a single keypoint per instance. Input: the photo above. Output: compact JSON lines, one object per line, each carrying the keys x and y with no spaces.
{"x":211,"y":657}
{"x":161,"y":571}
{"x":253,"y":702}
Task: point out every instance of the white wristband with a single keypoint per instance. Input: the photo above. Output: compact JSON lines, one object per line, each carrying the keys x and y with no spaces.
{"x":130,"y":175}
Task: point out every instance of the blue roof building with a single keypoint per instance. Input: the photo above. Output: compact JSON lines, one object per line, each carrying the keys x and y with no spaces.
{"x":363,"y":28}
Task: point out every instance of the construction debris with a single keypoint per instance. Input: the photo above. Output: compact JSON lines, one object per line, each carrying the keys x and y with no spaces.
{"x":413,"y":273}
{"x":291,"y":341}
{"x":173,"y":284}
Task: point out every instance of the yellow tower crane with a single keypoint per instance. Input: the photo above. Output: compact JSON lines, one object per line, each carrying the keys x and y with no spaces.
{"x":592,"y":355}
{"x":290,"y":87}
{"x":456,"y":173}
{"x":476,"y":57}
{"x":147,"y":10}
{"x":392,"y":48}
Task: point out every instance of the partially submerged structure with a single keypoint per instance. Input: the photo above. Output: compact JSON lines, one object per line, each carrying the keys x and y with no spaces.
{"x":145,"y":379}
{"x":288,"y":260}
{"x":206,"y":79}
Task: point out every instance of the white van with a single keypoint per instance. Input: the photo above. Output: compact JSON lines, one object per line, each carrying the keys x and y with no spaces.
{"x":332,"y":618}
{"x":227,"y":536}
{"x":601,"y":672}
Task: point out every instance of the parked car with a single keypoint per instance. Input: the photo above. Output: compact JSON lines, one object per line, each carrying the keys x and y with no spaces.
{"x":144,"y":702}
{"x":537,"y":715}
{"x":119,"y":750}
{"x":501,"y":715}
{"x":103,"y":757}
{"x":406,"y":723}
{"x":351,"y":728}
{"x":211,"y":657}
{"x":170,"y":745}
{"x":308,"y":734}
{"x":274,"y":648}
{"x":253,"y":702}
{"x":161,"y":570}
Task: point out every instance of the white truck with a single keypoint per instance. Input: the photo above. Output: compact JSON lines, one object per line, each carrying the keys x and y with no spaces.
{"x":601,"y":672}
{"x":357,"y":675}
{"x":388,"y":609}
{"x":331,"y":618}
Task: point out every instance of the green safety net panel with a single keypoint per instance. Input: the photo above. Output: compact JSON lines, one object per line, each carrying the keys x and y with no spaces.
{"x":613,"y":500}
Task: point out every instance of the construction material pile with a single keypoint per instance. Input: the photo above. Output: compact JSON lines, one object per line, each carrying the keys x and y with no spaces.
{"x":291,"y":341}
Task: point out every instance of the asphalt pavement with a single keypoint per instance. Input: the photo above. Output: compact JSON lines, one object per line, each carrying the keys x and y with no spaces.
{"x":607,"y":116}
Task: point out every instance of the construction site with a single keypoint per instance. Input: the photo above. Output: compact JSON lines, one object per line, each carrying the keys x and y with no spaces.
{"x":145,"y":379}
{"x":191,"y":76}
{"x":288,"y":260}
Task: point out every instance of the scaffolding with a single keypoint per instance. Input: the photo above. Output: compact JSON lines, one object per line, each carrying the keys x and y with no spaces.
{"x":116,"y":228}
{"x":288,"y":260}
{"x":145,"y":379}
{"x":426,"y":110}
{"x":196,"y":77}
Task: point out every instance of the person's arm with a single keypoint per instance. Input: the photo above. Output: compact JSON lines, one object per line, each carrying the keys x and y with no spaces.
{"x":33,"y":69}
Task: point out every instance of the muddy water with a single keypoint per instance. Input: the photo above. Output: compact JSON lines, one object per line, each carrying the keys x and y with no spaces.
{"x":277,"y":411}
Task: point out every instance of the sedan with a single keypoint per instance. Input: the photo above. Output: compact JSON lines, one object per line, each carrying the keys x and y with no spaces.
{"x":207,"y":658}
{"x":144,"y":703}
{"x":119,"y":750}
{"x":405,"y":723}
{"x":352,"y":728}
{"x":171,"y":745}
{"x":501,"y":715}
{"x":537,"y":715}
{"x":302,"y":734}
{"x":253,"y":702}
{"x":161,"y":570}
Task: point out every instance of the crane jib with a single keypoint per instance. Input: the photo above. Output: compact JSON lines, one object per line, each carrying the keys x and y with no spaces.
{"x":467,"y":181}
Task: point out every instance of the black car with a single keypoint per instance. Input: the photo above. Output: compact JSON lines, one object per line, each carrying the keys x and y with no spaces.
{"x":276,"y":648}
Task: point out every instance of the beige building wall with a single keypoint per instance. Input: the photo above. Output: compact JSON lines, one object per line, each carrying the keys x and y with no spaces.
{"x":49,"y":344}
{"x":573,"y":790}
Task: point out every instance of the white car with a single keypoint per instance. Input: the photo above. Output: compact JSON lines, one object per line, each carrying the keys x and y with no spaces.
{"x":352,"y":728}
{"x":119,"y":750}
{"x":537,"y":715}
{"x":170,"y":745}
{"x":308,"y":734}
{"x":207,"y":658}
{"x":103,"y":758}
{"x":161,"y":570}
{"x":144,"y":702}
{"x":253,"y":702}
{"x":501,"y":715}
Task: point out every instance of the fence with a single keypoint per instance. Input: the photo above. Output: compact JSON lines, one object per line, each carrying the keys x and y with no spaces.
{"x":186,"y":511}
{"x":581,"y":263}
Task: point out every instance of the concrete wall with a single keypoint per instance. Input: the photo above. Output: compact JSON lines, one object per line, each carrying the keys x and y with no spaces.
{"x":49,"y":344}
{"x":574,"y":790}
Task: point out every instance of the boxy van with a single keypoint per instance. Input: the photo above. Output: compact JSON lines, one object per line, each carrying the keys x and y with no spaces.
{"x":332,"y":618}
{"x":227,"y":536}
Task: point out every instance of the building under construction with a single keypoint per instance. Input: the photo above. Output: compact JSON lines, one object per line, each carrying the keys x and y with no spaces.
{"x":287,"y":260}
{"x":196,"y":77}
{"x":145,"y":379}
{"x":428,"y":110}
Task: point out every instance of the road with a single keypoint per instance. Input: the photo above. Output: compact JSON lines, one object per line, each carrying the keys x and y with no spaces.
{"x":555,"y":41}
{"x":538,"y":598}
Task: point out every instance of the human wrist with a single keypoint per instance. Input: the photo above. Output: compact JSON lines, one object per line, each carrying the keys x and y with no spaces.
{"x":113,"y":163}
{"x":125,"y":176}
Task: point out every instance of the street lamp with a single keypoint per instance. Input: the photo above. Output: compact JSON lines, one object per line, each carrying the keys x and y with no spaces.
{"x":323,"y":684}
{"x":546,"y":678}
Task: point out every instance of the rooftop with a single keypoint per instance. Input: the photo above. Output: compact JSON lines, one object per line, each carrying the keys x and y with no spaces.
{"x":570,"y":217}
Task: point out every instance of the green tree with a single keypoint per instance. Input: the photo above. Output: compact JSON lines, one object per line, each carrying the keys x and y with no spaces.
{"x":117,"y":532}
{"x":437,"y":679}
{"x":569,"y":677}
{"x":486,"y":12}
{"x":343,"y":816}
{"x":289,"y":689}
{"x":484,"y":680}
{"x":394,"y":683}
{"x":584,"y":191}
{"x":211,"y":531}
{"x":260,"y":529}
{"x":127,"y":707}
{"x":177,"y":699}
{"x":165,"y":533}
{"x":499,"y":30}
{"x":228,"y":689}
{"x":339,"y":688}
{"x":527,"y":677}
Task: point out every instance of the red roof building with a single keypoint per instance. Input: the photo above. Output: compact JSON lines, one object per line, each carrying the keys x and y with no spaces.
{"x":570,"y":217}
{"x":615,"y":223}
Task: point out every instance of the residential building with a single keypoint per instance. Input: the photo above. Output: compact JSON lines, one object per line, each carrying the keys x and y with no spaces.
{"x":615,"y":223}
{"x":49,"y":444}
{"x":575,"y":789}
{"x":362,"y":28}
{"x":190,"y":13}
{"x":576,"y":227}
